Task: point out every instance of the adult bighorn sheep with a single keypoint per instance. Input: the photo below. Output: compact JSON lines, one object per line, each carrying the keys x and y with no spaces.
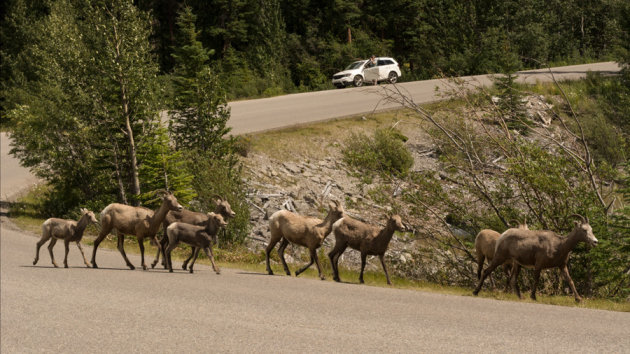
{"x":368,"y":239}
{"x":66,"y":230}
{"x":222,"y":207}
{"x":309,"y":232}
{"x":539,"y":250}
{"x":138,"y":221}
{"x":485,"y":243}
{"x":200,"y":237}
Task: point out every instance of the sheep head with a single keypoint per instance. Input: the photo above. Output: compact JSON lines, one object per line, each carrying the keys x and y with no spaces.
{"x":223,"y":207}
{"x":91,"y":216}
{"x":396,"y":223}
{"x":171,"y":202}
{"x":335,"y":210}
{"x":584,"y":230}
{"x":218,"y":222}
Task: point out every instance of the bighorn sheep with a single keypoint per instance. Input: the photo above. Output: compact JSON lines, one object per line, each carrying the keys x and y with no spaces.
{"x":286,"y":227}
{"x":222,"y":207}
{"x":367,"y":239}
{"x":485,"y":243}
{"x":138,"y":221}
{"x":200,"y":237}
{"x":539,"y":250}
{"x":66,"y":230}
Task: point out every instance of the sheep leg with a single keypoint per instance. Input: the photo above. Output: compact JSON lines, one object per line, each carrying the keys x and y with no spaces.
{"x":50,"y":250}
{"x":208,"y":251}
{"x":270,"y":246}
{"x":480,"y":260}
{"x":514,"y":280}
{"x":87,"y":264}
{"x":319,"y":268}
{"x":66,"y":244}
{"x":40,"y":243}
{"x":308,"y":265}
{"x":185,"y":264}
{"x":363,"y":259}
{"x":194,"y":256}
{"x":535,"y":285}
{"x":167,"y":256}
{"x":567,"y":277}
{"x":104,"y":232}
{"x":141,"y":245}
{"x":382,"y":258}
{"x":334,"y":259}
{"x":121,"y":248}
{"x":493,"y":265}
{"x":160,"y":250}
{"x":281,"y":248}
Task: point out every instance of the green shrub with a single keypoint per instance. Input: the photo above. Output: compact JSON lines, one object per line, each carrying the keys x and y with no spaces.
{"x":384,"y":153}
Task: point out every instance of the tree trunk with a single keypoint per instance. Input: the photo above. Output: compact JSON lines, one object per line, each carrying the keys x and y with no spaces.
{"x":124,"y":100}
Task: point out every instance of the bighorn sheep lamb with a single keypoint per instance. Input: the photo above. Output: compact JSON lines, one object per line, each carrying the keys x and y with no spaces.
{"x":200,"y":237}
{"x":367,"y":239}
{"x":485,"y":243}
{"x":286,"y":227}
{"x":539,"y":250}
{"x":138,"y":221}
{"x":222,"y":207}
{"x":66,"y":230}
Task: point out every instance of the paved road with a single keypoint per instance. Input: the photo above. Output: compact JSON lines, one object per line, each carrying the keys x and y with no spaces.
{"x":276,"y":112}
{"x":13,"y":178}
{"x":113,"y":309}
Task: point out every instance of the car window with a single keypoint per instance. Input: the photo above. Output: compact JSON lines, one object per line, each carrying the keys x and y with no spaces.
{"x":385,"y":62}
{"x":355,"y":65}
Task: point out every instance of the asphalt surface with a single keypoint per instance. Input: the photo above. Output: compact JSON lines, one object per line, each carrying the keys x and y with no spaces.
{"x":113,"y":309}
{"x":282,"y":111}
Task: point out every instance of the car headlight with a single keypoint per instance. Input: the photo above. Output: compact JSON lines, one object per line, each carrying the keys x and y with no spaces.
{"x":345,"y":75}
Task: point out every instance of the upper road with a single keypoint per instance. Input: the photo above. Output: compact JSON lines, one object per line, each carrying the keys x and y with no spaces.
{"x":277,"y":112}
{"x":115,"y":310}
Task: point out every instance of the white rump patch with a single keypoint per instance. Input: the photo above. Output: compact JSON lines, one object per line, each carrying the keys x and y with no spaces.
{"x":337,"y":224}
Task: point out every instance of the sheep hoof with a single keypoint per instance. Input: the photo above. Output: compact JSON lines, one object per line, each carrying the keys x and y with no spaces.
{"x":131,"y":266}
{"x":322,"y":277}
{"x":337,"y":279}
{"x":65,"y":266}
{"x":94,"y":265}
{"x":144,"y":267}
{"x":88,"y":265}
{"x":578,"y":299}
{"x":475,"y":292}
{"x":191,"y":271}
{"x":153,"y":265}
{"x":55,"y":265}
{"x":269,"y":272}
{"x":34,"y":262}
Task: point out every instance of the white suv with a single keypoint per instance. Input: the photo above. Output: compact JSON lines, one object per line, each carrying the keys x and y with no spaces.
{"x":359,"y":72}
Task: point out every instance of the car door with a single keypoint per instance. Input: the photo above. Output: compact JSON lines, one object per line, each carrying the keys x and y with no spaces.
{"x":370,"y":73}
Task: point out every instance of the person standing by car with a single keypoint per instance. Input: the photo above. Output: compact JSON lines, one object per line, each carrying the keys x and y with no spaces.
{"x":370,"y":64}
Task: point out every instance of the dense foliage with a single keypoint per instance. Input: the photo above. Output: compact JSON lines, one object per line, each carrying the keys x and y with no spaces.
{"x":278,"y":46}
{"x":84,"y":97}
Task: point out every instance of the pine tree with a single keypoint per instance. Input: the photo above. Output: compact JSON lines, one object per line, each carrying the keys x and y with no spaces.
{"x":200,"y":114}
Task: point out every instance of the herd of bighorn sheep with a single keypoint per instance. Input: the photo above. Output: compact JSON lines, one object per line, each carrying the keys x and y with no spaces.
{"x":515,"y":248}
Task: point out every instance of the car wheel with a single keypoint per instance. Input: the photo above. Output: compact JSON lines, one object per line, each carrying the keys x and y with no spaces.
{"x":358,"y":81}
{"x":392,"y":77}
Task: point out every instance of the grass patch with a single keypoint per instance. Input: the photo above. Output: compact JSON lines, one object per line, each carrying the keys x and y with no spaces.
{"x":319,"y":140}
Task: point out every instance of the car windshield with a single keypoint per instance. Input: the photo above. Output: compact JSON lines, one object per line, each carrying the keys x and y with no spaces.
{"x":355,"y":65}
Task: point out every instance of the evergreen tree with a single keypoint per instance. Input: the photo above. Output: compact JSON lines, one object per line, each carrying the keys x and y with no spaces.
{"x":200,"y":114}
